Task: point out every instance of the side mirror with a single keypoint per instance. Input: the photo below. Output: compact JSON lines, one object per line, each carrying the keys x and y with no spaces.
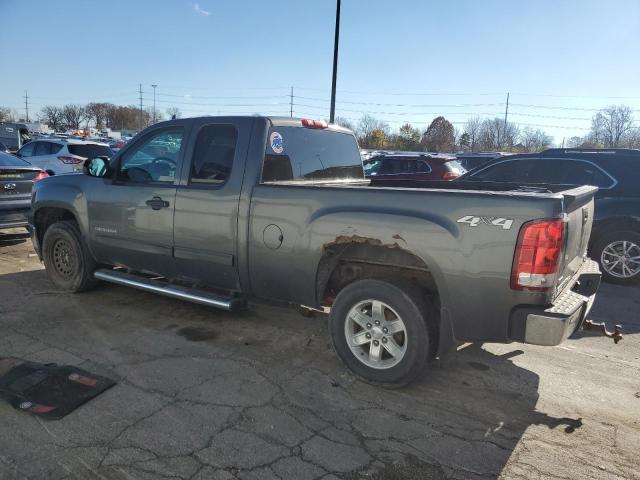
{"x":96,"y":167}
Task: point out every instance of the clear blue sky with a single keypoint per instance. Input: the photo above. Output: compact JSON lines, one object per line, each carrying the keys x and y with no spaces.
{"x":413,"y":58}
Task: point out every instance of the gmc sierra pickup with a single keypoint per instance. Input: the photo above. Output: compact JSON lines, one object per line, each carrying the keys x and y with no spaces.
{"x":221,"y":210}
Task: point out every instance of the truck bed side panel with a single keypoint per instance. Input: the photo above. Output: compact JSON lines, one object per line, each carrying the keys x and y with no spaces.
{"x":471,"y":264}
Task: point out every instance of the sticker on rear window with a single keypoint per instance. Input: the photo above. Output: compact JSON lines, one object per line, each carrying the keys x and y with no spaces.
{"x":276,"y":142}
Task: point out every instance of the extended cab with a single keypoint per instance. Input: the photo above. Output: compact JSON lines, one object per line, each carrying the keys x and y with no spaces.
{"x":221,"y":210}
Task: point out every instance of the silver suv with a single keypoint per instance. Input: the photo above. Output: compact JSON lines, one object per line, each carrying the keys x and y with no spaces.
{"x":62,"y":155}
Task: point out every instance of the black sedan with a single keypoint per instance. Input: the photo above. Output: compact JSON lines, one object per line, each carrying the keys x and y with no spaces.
{"x":16,"y":181}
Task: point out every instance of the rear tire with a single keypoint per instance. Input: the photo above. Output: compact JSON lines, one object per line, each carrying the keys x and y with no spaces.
{"x":618,"y":254}
{"x":66,"y":259}
{"x":379,"y":330}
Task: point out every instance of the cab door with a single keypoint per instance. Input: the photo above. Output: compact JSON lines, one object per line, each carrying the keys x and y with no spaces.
{"x":207,"y":202}
{"x":131,"y":213}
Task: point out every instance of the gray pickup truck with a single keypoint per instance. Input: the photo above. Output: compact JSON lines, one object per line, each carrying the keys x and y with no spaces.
{"x":225,"y":210}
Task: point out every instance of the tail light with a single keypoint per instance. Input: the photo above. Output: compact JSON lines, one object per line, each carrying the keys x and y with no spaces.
{"x":450,"y":175}
{"x":538,"y":255}
{"x":41,"y":175}
{"x":314,"y":123}
{"x":72,"y":160}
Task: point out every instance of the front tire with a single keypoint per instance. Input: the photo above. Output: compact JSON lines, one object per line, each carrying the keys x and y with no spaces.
{"x":618,"y":254}
{"x":66,"y":259}
{"x":380,"y":331}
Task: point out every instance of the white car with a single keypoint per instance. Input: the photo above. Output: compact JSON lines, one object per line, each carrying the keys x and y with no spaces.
{"x":61,"y":155}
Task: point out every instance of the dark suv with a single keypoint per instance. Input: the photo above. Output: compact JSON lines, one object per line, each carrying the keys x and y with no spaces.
{"x":615,"y":240}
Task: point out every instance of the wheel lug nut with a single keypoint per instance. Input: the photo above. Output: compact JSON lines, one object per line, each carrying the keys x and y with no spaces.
{"x":368,"y":335}
{"x":368,"y":325}
{"x":376,"y":343}
{"x":384,"y":339}
{"x":377,"y":322}
{"x":385,"y":330}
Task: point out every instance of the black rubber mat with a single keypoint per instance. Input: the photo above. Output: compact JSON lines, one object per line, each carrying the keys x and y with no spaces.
{"x":48,"y":390}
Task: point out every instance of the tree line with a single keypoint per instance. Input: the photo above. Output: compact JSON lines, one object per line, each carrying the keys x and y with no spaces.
{"x":99,"y":115}
{"x":612,"y":127}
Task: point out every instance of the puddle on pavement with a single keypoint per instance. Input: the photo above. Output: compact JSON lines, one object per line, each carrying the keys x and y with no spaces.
{"x":196,"y":334}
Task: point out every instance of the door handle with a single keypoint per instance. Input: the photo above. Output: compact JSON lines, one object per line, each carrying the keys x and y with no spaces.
{"x":156,"y":203}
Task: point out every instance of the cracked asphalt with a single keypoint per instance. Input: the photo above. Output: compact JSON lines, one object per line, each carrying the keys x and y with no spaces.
{"x":204,"y":394}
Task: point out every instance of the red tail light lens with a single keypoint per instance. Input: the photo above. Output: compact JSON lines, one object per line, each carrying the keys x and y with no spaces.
{"x":41,"y":175}
{"x":450,"y":175}
{"x":72,"y":160}
{"x":538,"y":255}
{"x":314,"y":123}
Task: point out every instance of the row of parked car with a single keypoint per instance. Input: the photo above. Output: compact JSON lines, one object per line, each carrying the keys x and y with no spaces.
{"x":615,"y":239}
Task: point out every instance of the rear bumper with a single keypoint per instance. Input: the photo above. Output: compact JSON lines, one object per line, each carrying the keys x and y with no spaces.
{"x":13,"y":218}
{"x":552,"y":325}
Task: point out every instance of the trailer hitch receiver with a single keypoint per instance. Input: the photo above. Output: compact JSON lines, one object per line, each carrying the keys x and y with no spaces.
{"x":589,"y":325}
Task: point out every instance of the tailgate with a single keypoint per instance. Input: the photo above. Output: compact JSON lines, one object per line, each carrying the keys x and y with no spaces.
{"x":578,"y":209}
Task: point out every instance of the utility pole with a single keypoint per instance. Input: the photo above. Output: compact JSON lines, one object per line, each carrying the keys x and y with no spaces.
{"x":506,"y":113}
{"x":154,"y":103}
{"x":140,"y":122}
{"x":26,"y":104}
{"x":332,"y":115}
{"x":291,"y":104}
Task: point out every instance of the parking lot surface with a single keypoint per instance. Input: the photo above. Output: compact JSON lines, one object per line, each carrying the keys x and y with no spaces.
{"x":204,"y":394}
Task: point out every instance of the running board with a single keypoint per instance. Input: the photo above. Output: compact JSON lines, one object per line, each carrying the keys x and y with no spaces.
{"x":168,"y":290}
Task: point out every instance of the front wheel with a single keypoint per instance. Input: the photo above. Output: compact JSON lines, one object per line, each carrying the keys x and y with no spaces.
{"x":66,"y":258}
{"x":380,"y":332}
{"x":619,"y":256}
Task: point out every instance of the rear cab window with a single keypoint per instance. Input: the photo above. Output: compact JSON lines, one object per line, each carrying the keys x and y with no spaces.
{"x":90,"y":150}
{"x":298,"y":154}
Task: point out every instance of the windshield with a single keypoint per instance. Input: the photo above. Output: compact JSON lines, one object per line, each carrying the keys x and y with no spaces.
{"x":304,"y":154}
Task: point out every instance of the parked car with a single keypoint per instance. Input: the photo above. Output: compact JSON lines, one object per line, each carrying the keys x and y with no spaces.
{"x":62,"y":155}
{"x":218,"y":210}
{"x":615,"y":240}
{"x":16,"y":181}
{"x":14,"y":135}
{"x":471,"y":160}
{"x":413,"y":166}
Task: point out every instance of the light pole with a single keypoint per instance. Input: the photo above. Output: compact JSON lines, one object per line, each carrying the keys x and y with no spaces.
{"x":332,"y":115}
{"x":154,"y":103}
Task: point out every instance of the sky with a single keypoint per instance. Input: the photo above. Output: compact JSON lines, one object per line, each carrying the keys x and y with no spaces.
{"x":403,"y":60}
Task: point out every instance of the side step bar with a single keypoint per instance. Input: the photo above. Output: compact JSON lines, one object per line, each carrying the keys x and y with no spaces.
{"x":168,"y":290}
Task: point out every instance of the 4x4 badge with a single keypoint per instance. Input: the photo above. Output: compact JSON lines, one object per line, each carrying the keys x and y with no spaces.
{"x":474,"y":221}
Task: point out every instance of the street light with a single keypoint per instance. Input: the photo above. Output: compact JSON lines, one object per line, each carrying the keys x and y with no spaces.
{"x":154,"y":103}
{"x":332,"y":115}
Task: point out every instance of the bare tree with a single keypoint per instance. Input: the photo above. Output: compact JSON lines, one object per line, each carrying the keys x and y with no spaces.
{"x":73,"y":115}
{"x":52,"y":116}
{"x":611,"y":124}
{"x":366,"y":128}
{"x":534,"y":140}
{"x":472,"y":129}
{"x":494,"y":135}
{"x":7,"y":114}
{"x":97,"y":112}
{"x":343,"y":122}
{"x":174,"y":112}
